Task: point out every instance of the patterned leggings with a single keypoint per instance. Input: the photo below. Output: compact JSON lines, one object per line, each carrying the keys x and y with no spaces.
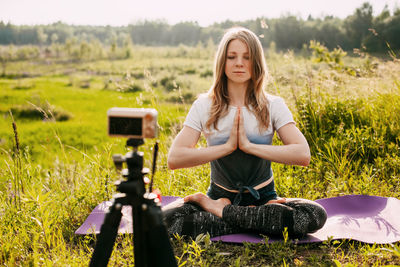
{"x":299,"y":216}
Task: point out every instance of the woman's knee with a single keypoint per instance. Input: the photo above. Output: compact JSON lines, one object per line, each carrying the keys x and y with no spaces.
{"x":320,"y":216}
{"x":309,"y":212}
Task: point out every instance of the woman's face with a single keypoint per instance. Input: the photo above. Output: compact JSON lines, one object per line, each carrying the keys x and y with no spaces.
{"x":238,"y":65}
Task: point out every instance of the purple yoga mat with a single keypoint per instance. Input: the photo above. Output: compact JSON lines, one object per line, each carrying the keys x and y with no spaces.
{"x":368,"y":219}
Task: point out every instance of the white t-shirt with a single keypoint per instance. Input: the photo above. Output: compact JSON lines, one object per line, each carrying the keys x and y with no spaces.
{"x":239,"y":169}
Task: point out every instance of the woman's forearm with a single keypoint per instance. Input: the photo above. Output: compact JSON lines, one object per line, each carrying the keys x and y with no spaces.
{"x":293,"y":154}
{"x":184,"y":157}
{"x":294,"y":151}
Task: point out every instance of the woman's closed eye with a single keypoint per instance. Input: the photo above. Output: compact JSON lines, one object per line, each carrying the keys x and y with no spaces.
{"x":234,"y":57}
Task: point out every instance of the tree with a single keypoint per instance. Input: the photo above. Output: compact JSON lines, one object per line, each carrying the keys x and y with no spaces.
{"x":41,"y":36}
{"x":150,"y":32}
{"x":384,"y":36}
{"x":7,"y":54}
{"x":289,"y":33}
{"x":358,"y":25}
{"x":185,"y":33}
{"x":128,"y":46}
{"x":391,"y":33}
{"x":330,"y":33}
{"x":84,"y":51}
{"x":54,"y":38}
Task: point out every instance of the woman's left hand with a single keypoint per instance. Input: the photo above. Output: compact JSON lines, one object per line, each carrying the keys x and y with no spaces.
{"x":243,"y":141}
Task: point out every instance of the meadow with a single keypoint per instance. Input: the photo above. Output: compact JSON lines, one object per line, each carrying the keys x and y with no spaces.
{"x":56,"y":165}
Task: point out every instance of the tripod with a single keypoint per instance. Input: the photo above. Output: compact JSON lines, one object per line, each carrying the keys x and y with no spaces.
{"x":150,"y":238}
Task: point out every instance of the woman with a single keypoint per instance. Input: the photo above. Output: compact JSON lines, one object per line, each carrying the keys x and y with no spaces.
{"x":238,"y":120}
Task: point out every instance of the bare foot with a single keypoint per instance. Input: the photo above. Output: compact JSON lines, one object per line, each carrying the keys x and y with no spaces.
{"x":278,"y":200}
{"x":213,"y":206}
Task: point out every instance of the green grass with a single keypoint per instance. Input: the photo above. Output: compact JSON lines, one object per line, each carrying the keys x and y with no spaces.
{"x":63,"y":169}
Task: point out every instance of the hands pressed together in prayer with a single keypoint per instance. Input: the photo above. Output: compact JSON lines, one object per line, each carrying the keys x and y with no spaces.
{"x":238,"y":138}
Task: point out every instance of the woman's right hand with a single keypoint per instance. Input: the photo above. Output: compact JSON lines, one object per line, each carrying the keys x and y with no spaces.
{"x":233,"y":140}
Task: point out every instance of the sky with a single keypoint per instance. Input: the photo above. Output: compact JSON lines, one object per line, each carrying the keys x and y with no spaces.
{"x":205,"y":12}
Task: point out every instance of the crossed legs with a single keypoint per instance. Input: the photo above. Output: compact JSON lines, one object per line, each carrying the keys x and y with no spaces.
{"x":197,"y":214}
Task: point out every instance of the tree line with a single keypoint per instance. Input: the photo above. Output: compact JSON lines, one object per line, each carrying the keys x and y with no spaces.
{"x":360,"y":30}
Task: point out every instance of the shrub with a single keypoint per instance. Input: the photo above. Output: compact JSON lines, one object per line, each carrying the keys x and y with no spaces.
{"x":334,"y":58}
{"x":84,"y":84}
{"x":185,"y":97}
{"x":206,"y":73}
{"x":24,"y":86}
{"x":133,"y":88}
{"x":124,"y":85}
{"x":190,"y":71}
{"x":137,"y":75}
{"x":45,"y":112}
{"x":169,"y":83}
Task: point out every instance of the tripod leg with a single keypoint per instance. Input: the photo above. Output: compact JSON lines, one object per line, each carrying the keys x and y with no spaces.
{"x":107,"y":236}
{"x":151,"y":241}
{"x":139,"y":239}
{"x":159,"y":252}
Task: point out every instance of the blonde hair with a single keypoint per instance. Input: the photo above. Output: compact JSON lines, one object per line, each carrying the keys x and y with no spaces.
{"x":255,"y":96}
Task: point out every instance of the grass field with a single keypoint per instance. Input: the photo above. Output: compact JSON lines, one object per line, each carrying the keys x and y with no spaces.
{"x":60,"y":168}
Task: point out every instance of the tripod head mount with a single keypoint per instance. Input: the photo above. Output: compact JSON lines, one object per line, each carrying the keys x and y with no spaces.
{"x":134,"y":142}
{"x":134,"y":158}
